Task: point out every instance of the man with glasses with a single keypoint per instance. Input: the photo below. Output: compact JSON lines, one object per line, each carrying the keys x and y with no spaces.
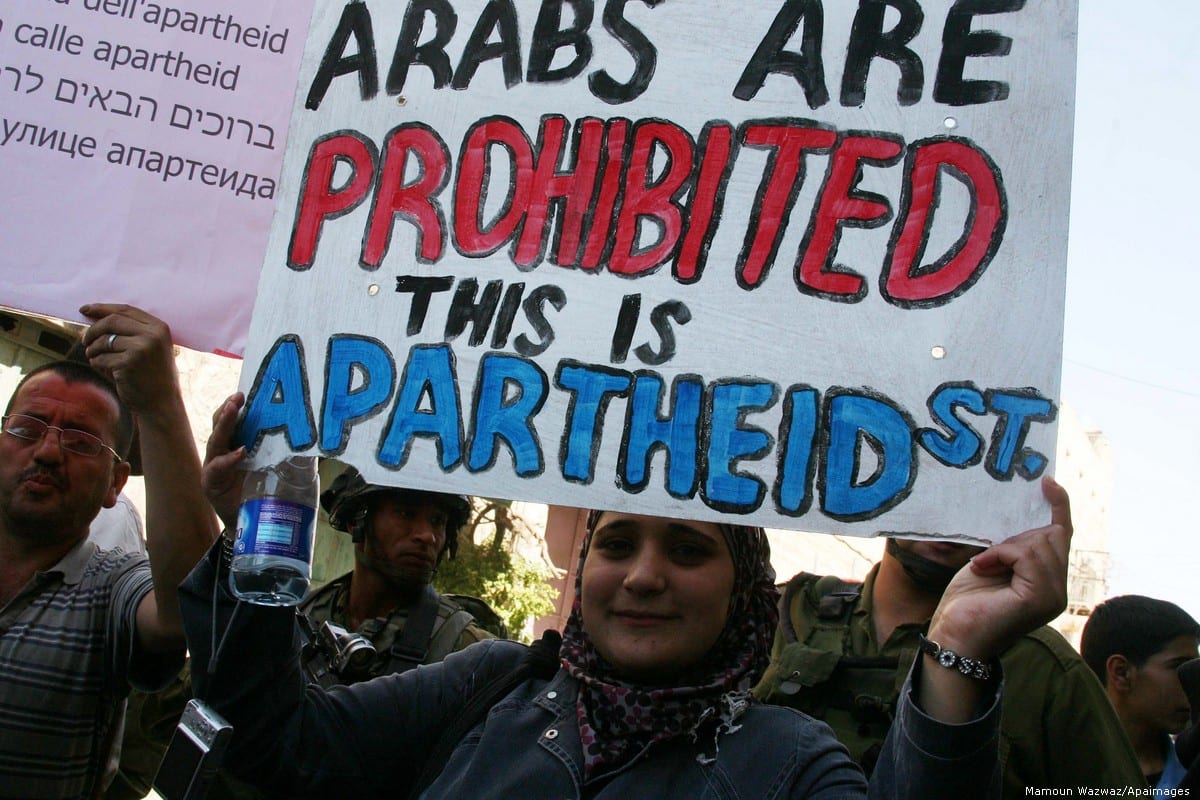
{"x":80,"y":625}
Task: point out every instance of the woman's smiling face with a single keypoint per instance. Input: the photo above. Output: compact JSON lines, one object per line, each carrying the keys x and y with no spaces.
{"x":655,"y":593}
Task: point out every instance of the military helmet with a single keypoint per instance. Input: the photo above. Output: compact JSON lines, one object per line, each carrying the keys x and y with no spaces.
{"x":347,"y":503}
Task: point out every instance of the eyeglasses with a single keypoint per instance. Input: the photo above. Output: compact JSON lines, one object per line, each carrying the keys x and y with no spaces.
{"x":73,"y":440}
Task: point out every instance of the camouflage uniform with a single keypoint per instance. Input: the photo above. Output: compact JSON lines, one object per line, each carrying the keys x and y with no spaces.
{"x":454,"y":628}
{"x":1057,"y":727}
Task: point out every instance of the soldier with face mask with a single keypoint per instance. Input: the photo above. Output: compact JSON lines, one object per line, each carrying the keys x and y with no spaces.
{"x":842,"y":650}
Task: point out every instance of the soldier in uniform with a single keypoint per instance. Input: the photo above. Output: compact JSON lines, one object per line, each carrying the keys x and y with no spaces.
{"x":400,"y":537}
{"x":842,"y":650}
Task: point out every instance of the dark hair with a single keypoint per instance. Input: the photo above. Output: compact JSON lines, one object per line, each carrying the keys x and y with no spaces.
{"x":75,"y":372}
{"x":1133,"y":626}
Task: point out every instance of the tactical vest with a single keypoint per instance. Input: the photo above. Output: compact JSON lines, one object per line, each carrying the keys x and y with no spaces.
{"x":485,"y":616}
{"x":811,"y":671}
{"x":423,"y":634}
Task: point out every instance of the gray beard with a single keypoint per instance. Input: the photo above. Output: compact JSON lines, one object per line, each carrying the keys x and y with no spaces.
{"x":44,"y":529}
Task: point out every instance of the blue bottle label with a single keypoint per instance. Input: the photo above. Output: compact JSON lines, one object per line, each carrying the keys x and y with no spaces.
{"x":268,"y":526}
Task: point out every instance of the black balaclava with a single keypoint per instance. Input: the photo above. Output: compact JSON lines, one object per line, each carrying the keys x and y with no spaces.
{"x":928,"y":575}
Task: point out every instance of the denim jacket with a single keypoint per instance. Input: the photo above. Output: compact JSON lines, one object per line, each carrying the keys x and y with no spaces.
{"x":371,"y":740}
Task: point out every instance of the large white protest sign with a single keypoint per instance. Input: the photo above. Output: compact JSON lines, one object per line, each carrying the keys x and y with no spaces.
{"x":140,"y":148}
{"x":793,"y":262}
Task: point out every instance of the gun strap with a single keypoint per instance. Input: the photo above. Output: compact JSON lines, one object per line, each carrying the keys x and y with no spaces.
{"x":412,"y":645}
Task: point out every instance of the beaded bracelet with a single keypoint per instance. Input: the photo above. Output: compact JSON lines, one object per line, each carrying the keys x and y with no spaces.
{"x":971,"y":667}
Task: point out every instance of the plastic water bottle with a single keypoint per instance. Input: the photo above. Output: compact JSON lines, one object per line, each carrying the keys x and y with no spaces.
{"x":272,"y":555}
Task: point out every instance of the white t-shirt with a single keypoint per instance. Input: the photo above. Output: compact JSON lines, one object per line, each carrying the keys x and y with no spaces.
{"x":119,"y":526}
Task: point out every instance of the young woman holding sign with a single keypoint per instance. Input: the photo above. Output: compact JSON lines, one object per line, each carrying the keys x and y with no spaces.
{"x":648,"y":696}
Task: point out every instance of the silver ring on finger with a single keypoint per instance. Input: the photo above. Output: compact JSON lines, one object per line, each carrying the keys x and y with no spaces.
{"x":112,"y":340}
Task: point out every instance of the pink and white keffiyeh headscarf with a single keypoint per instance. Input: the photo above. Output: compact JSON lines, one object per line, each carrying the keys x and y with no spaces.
{"x":618,"y":719}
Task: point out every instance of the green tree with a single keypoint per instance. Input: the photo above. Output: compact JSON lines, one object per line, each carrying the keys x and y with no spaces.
{"x":516,"y":587}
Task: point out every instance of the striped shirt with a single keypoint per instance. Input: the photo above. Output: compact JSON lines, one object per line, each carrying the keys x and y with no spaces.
{"x":67,"y":658}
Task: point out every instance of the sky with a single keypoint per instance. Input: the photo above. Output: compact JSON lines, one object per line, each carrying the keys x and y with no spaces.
{"x":1130,"y":363}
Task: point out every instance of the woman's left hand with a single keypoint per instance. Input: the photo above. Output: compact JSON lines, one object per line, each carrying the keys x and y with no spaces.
{"x":1010,"y":589}
{"x":1007,"y":591}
